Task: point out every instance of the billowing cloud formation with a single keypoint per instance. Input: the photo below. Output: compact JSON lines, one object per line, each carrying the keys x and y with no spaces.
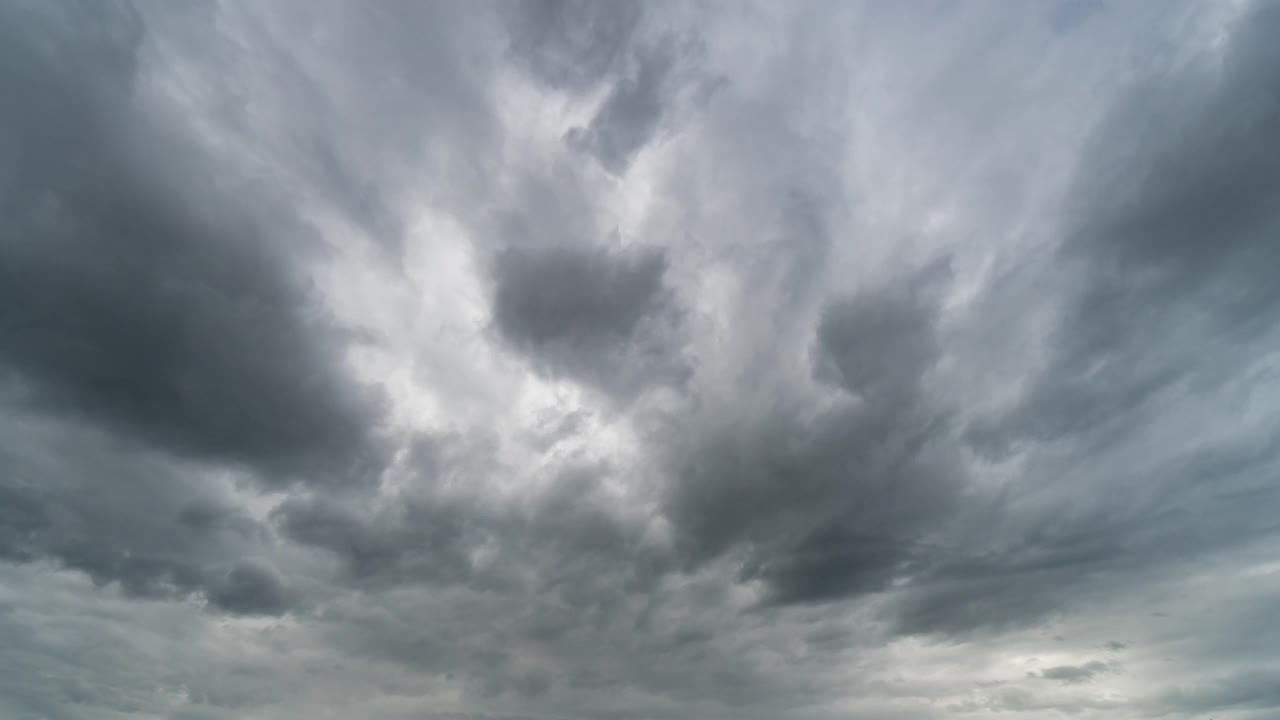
{"x":547,"y":358}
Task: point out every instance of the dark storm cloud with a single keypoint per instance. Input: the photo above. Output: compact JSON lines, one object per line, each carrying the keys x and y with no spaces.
{"x":143,"y":286}
{"x":837,"y":504}
{"x":250,"y":588}
{"x":601,"y":315}
{"x":121,"y":515}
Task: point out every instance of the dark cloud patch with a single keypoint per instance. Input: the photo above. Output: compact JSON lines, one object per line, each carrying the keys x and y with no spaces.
{"x":879,"y":346}
{"x":125,"y":516}
{"x":143,"y":286}
{"x":1074,"y":674}
{"x":250,"y":588}
{"x":835,"y":504}
{"x":575,"y":295}
{"x":600,"y":315}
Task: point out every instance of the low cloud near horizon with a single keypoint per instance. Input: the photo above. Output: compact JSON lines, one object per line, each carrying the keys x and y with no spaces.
{"x":554,"y":359}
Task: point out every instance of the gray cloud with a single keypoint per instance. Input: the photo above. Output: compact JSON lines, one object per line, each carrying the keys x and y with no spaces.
{"x":250,"y":589}
{"x":571,"y":44}
{"x":126,"y":516}
{"x":566,"y":542}
{"x":142,"y":293}
{"x":576,"y":46}
{"x":427,"y":542}
{"x":568,"y":359}
{"x":1173,"y":223}
{"x":631,"y":114}
{"x":878,"y":347}
{"x":839,"y":503}
{"x":1242,"y":690}
{"x":1074,"y":674}
{"x":1163,"y":301}
{"x":601,"y":315}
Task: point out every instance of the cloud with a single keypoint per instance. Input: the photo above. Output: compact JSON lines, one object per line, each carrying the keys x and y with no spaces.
{"x":1074,"y":674}
{"x":839,"y":502}
{"x":576,"y":47}
{"x":156,"y":528}
{"x":1248,"y":689}
{"x":631,"y":114}
{"x":145,"y":287}
{"x":568,"y":43}
{"x":411,"y":541}
{"x":569,"y":359}
{"x":250,"y":589}
{"x":597,"y":314}
{"x":1186,"y":158}
{"x":1158,"y":262}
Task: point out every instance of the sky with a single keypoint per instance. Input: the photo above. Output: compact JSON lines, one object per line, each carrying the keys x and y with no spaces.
{"x":570,"y":360}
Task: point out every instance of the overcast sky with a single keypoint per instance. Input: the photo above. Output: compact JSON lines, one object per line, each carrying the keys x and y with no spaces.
{"x":569,"y":360}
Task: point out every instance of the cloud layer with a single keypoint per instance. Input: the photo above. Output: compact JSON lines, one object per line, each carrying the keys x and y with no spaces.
{"x":558,"y":359}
